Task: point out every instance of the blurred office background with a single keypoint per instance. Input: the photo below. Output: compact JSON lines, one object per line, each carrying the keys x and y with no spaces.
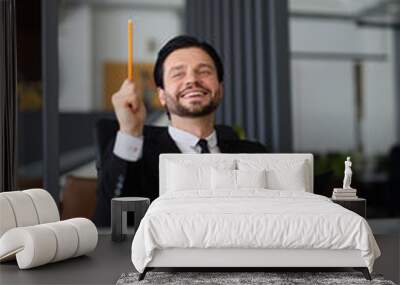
{"x":301,"y":76}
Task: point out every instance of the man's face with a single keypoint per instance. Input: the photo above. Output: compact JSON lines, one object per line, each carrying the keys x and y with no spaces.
{"x":191,"y":86}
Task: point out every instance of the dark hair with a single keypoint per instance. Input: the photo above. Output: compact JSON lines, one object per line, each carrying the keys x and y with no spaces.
{"x":180,"y":42}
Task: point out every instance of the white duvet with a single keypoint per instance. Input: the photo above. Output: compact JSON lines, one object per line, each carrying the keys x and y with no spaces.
{"x":250,"y":219}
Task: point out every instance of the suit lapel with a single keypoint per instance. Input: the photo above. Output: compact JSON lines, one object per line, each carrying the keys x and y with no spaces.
{"x":224,"y":145}
{"x":158,"y":142}
{"x":167,"y":144}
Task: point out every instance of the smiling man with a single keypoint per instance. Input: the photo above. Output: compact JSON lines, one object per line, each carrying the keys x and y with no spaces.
{"x":188,"y":74}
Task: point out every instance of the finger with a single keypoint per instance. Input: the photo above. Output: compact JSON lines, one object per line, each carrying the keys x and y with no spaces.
{"x":131,"y":97}
{"x":128,"y":85}
{"x":127,"y":81}
{"x":134,"y":102}
{"x":138,"y":105}
{"x":121,"y":99}
{"x":129,"y":90}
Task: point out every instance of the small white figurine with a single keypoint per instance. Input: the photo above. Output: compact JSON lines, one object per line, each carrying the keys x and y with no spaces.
{"x":347,"y":174}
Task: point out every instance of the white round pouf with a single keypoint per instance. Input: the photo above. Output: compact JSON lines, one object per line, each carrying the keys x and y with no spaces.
{"x":46,"y":208}
{"x":7,"y":218}
{"x":67,"y":239}
{"x":87,"y":234}
{"x":33,"y":246}
{"x":31,"y":232}
{"x":23,"y":208}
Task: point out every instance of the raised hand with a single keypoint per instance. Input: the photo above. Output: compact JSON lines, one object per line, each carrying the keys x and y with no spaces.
{"x":129,"y":109}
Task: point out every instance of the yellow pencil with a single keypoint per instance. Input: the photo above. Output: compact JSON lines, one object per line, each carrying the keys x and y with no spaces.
{"x":130,"y":50}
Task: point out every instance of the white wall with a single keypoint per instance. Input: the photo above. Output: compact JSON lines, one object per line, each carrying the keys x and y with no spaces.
{"x":322,"y":106}
{"x":335,"y":36}
{"x":379,"y":128}
{"x":331,"y":6}
{"x":75,"y":61}
{"x":323,"y":90}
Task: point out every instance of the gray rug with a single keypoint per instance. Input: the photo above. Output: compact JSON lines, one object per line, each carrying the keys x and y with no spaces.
{"x":228,"y":278}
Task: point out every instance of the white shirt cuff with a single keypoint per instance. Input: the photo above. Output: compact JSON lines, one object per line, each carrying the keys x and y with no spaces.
{"x":128,"y":147}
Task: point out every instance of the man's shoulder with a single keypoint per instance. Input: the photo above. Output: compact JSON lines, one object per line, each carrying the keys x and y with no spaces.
{"x":244,"y":146}
{"x":154,"y":131}
{"x":253,"y":146}
{"x":157,"y":139}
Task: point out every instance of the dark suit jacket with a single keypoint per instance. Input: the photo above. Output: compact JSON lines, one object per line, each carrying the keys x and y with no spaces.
{"x":118,"y":177}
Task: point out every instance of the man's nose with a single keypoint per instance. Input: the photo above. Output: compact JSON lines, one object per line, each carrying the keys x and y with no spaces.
{"x":191,"y":78}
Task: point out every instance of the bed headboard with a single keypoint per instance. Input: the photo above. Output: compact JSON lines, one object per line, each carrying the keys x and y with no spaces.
{"x":292,"y":157}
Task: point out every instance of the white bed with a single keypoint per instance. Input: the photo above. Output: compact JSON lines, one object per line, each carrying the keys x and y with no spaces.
{"x":249,"y":210}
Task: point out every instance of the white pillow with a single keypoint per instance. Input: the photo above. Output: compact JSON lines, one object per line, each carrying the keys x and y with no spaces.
{"x":251,"y":179}
{"x":281,"y":174}
{"x":222,"y":179}
{"x":185,"y":175}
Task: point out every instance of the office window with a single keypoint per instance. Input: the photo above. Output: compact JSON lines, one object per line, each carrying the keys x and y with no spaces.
{"x":344,"y":96}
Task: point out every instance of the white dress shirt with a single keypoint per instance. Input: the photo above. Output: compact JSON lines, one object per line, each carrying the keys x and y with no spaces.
{"x":130,"y":148}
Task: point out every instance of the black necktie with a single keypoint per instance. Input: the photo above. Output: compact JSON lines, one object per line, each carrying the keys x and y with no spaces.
{"x":203,"y":145}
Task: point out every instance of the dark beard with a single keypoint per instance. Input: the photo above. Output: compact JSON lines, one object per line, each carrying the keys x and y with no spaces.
{"x":177,"y":109}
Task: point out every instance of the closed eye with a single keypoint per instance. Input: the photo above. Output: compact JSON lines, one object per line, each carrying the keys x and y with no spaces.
{"x":177,"y":75}
{"x":205,"y":72}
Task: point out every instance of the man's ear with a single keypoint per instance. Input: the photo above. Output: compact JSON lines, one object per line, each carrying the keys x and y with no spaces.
{"x":221,"y":89}
{"x":161,"y":96}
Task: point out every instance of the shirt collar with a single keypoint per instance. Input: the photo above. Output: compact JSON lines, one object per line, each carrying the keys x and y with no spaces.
{"x":182,"y":136}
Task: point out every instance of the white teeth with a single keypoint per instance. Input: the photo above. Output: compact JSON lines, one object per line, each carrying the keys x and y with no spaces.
{"x":194,"y":94}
